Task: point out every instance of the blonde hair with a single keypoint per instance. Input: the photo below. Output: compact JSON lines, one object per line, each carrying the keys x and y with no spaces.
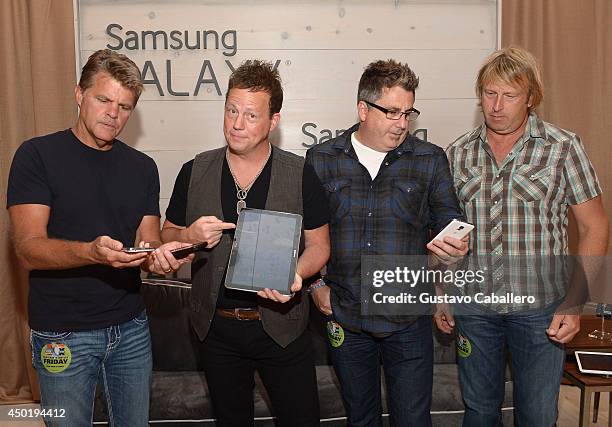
{"x":514,"y":66}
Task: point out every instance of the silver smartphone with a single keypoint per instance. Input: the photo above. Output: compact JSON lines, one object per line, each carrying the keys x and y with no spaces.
{"x":134,"y":250}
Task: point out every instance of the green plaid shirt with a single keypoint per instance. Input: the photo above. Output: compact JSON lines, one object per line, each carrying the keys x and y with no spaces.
{"x":520,"y":207}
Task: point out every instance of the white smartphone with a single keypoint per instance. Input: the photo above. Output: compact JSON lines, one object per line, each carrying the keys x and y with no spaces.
{"x":130,"y":250}
{"x":455,"y":228}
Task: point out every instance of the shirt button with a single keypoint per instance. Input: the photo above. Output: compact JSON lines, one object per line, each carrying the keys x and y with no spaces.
{"x":369,"y":244}
{"x":495,"y":202}
{"x":386,"y":163}
{"x":369,"y":213}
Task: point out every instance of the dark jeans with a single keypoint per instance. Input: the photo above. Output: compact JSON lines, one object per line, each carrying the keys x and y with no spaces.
{"x":234,"y":349}
{"x":407,"y":357}
{"x":537,"y":366}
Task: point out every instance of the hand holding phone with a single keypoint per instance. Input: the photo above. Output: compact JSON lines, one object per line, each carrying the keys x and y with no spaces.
{"x":449,"y":253}
{"x":135,"y":250}
{"x":188,"y":250}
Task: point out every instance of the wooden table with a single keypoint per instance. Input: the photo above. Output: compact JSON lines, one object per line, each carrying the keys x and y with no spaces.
{"x":588,"y":383}
{"x":583,"y":342}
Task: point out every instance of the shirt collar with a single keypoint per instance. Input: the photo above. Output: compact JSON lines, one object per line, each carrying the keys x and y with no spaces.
{"x":534,"y":129}
{"x":344,"y":143}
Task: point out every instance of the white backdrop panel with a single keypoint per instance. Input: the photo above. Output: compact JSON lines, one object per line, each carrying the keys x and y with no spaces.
{"x":321,"y":48}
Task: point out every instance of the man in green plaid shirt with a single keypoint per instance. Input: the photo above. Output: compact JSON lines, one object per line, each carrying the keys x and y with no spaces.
{"x":516,"y":178}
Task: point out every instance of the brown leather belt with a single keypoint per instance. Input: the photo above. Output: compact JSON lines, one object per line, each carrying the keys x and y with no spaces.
{"x":239,"y":313}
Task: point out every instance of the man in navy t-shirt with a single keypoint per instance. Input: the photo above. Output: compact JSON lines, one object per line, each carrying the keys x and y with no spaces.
{"x":76,"y":198}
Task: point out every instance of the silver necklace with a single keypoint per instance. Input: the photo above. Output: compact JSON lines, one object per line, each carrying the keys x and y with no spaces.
{"x":241,"y":193}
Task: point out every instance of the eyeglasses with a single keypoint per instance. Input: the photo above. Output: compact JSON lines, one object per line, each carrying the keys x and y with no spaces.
{"x":411,"y":114}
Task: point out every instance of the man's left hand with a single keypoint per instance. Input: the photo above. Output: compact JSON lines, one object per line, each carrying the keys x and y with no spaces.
{"x":564,"y":326}
{"x":274,"y":295}
{"x":449,"y":250}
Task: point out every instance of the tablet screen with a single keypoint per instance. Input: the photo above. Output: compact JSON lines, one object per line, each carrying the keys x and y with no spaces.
{"x":264,"y":251}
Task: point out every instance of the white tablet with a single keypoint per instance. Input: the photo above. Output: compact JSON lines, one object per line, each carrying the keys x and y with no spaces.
{"x":592,"y":362}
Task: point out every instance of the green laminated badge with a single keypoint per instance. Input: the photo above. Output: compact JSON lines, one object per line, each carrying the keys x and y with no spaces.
{"x":335,"y":334}
{"x":55,"y":357}
{"x":464,"y":347}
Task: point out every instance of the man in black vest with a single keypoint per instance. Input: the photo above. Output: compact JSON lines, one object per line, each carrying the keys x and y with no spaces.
{"x":243,"y":331}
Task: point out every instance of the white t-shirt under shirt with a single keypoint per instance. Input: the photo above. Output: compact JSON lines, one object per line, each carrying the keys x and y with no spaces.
{"x":368,"y":157}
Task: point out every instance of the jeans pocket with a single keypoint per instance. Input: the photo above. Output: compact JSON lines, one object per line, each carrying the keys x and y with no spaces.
{"x":49,"y":335}
{"x":142,"y":318}
{"x":41,"y":339}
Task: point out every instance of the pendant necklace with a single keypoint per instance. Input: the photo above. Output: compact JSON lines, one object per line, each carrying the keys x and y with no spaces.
{"x":241,"y":193}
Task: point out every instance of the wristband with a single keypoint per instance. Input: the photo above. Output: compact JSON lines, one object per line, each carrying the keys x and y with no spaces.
{"x":316,"y":285}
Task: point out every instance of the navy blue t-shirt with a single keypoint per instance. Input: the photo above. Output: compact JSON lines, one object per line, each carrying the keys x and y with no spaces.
{"x":91,"y":193}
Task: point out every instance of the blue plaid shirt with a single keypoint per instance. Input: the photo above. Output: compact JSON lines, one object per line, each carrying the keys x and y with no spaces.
{"x":395,"y":214}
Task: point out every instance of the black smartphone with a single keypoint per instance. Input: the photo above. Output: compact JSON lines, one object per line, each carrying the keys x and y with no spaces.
{"x":188,"y":250}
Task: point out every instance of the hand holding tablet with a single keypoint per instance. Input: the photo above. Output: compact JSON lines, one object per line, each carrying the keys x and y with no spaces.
{"x":265,"y":251}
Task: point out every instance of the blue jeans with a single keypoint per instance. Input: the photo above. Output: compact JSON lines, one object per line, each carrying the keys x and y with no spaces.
{"x":118,"y":357}
{"x":536,"y":361}
{"x":407,"y":357}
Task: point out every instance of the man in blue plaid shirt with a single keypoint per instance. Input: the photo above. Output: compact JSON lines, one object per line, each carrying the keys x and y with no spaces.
{"x":387,"y":192}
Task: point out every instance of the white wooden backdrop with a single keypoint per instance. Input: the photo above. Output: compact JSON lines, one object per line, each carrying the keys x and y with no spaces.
{"x":322,"y":48}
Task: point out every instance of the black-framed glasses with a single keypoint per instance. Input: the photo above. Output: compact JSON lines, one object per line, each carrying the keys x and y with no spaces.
{"x":411,"y":114}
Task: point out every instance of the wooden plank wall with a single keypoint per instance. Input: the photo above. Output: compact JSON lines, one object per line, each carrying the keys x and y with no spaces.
{"x":321,"y":48}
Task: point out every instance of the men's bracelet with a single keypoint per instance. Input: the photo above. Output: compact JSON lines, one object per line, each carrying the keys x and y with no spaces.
{"x":316,"y":285}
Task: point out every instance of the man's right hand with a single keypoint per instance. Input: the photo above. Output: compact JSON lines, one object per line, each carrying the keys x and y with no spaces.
{"x":321,"y":298}
{"x":105,"y":250}
{"x":208,"y":229}
{"x":444,"y":318}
